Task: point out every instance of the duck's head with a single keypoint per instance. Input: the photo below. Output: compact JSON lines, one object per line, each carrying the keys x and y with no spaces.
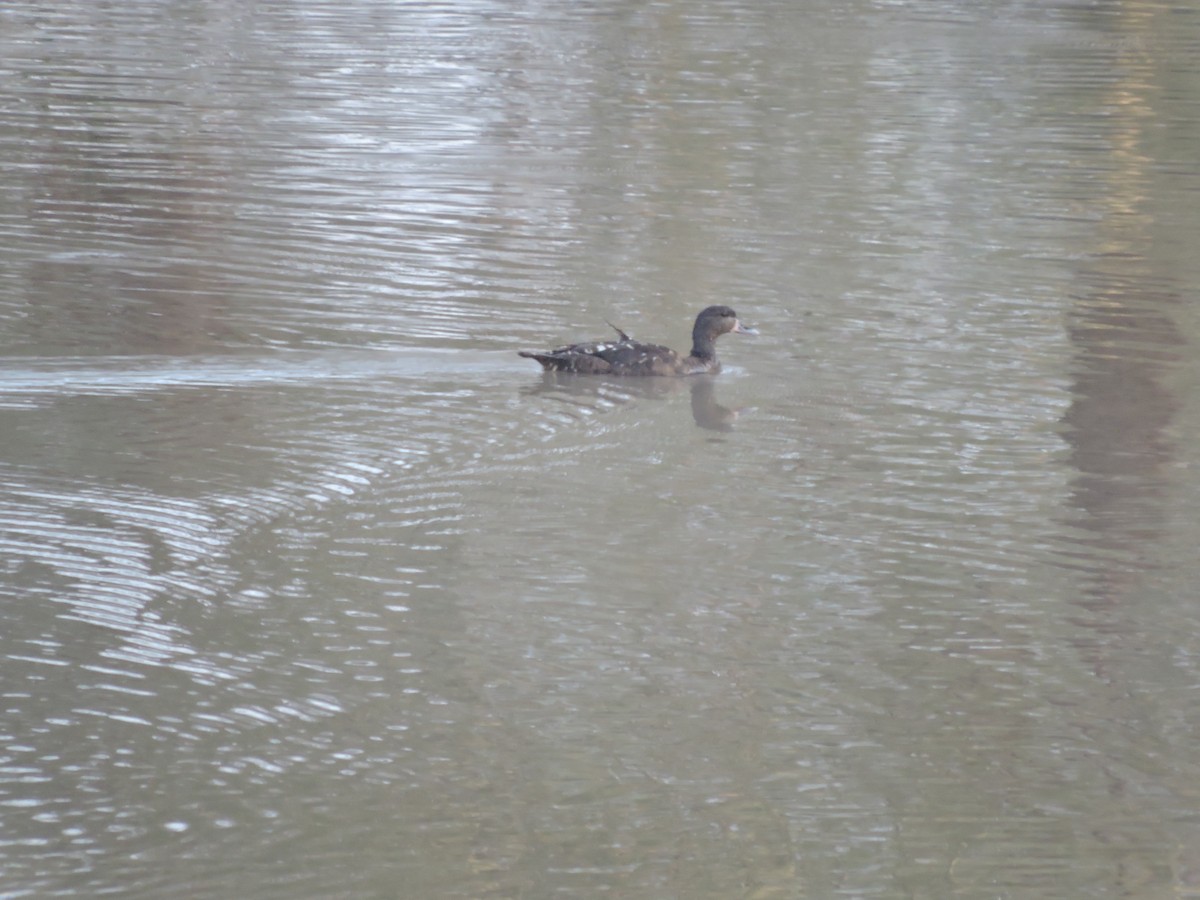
{"x":711,"y":324}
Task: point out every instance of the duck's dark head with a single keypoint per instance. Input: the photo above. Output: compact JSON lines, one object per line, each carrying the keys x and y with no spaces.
{"x":710,"y":325}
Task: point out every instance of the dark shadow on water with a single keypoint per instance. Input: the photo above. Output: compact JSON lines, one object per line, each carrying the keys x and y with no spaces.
{"x":1117,"y":428}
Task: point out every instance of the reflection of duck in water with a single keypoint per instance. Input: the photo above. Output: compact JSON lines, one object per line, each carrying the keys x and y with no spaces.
{"x":706,"y":411}
{"x":593,"y":394}
{"x":625,"y":356}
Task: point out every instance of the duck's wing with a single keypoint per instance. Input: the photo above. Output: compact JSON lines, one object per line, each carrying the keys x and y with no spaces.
{"x":623,"y":357}
{"x":633,"y":358}
{"x":570,"y":359}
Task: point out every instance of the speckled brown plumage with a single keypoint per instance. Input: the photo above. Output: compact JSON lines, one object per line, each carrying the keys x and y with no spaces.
{"x":625,"y":356}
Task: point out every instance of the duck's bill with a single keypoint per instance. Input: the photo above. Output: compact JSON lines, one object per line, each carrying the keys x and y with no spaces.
{"x":744,"y":329}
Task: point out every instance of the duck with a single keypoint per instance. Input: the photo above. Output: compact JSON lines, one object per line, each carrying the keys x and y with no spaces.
{"x":625,"y":356}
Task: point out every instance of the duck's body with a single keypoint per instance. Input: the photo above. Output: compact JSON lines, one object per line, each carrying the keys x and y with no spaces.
{"x":625,"y":356}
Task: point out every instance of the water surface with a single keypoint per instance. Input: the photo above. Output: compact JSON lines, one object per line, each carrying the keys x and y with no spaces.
{"x":312,"y":587}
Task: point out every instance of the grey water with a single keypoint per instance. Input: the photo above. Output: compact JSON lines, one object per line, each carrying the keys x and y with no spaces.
{"x":310,"y":587}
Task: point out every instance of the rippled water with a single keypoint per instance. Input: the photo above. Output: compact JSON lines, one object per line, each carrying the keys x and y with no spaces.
{"x":312,"y":587}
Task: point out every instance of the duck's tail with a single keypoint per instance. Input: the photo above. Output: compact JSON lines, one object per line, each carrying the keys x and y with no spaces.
{"x":578,"y":363}
{"x":548,"y":362}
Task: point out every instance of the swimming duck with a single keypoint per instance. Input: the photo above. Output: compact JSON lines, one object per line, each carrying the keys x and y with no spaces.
{"x":625,"y":356}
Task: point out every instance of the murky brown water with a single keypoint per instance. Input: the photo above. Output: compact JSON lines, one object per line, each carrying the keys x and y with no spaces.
{"x":311,"y":587}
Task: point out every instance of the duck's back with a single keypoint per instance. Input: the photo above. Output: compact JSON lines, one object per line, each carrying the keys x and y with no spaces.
{"x":623,"y":357}
{"x":636,"y":358}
